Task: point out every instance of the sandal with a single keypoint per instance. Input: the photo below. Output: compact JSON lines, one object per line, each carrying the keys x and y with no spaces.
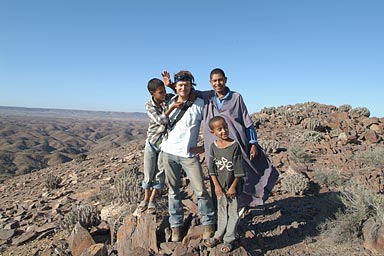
{"x":151,"y":208}
{"x":211,"y":242}
{"x":142,"y":206}
{"x":226,"y":247}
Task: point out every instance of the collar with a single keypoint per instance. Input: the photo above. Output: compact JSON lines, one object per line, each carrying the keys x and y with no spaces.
{"x":229,"y":93}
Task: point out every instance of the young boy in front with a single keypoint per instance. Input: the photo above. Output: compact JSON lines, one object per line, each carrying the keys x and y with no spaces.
{"x":226,"y":172}
{"x":158,"y":113}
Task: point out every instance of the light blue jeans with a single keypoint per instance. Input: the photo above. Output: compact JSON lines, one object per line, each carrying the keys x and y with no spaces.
{"x":227,"y":219}
{"x":173,"y":166}
{"x":154,"y":176}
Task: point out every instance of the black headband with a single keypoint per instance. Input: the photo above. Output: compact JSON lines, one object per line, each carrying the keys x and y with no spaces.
{"x":184,"y":78}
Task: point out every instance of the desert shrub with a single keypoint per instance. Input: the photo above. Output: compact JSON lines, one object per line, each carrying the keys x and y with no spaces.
{"x":52,"y":181}
{"x":270,"y":146}
{"x":359,"y":204}
{"x":360,"y":111}
{"x":268,"y":111}
{"x":128,"y":185}
{"x":330,"y":178}
{"x":88,"y":216}
{"x":313,"y":124}
{"x":296,"y":184}
{"x":375,"y":157}
{"x":345,"y":108}
{"x":312,"y":136}
{"x":297,"y":154}
{"x":259,"y":120}
{"x":362,"y":202}
{"x":294,"y":118}
{"x":80,"y":158}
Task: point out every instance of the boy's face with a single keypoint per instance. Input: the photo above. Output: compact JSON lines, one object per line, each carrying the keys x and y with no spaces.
{"x":220,"y":129}
{"x":218,"y":83}
{"x":183,"y":89}
{"x":159,"y":94}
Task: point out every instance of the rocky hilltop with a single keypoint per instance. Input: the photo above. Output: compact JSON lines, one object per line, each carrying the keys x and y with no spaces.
{"x":87,"y":205}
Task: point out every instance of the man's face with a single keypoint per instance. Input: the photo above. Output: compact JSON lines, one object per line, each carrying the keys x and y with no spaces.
{"x":183,"y":89}
{"x":218,"y":83}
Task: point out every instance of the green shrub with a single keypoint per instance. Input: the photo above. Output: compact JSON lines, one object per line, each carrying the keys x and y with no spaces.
{"x":330,"y":178}
{"x":345,"y":108}
{"x":374,"y":157}
{"x":268,"y":111}
{"x":270,"y":146}
{"x":52,"y":181}
{"x":296,"y":184}
{"x":312,"y":136}
{"x":359,"y":204}
{"x":297,"y":154}
{"x":360,"y":111}
{"x":88,"y":216}
{"x":128,"y":185}
{"x":80,"y":158}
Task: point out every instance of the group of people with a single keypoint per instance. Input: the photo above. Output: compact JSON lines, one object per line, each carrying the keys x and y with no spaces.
{"x":240,"y":173}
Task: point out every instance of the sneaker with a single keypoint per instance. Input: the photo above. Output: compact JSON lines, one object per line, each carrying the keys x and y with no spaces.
{"x":142,"y":206}
{"x":176,"y":234}
{"x":209,"y":231}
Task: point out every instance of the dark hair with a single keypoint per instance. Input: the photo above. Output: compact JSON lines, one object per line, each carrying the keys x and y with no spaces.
{"x":154,"y":83}
{"x":217,"y":71}
{"x":184,"y":75}
{"x":214,"y":120}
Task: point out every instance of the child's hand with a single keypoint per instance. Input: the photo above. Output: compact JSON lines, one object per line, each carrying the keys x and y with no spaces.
{"x":196,"y":150}
{"x":177,"y":104}
{"x":253,"y":152}
{"x":231,"y":192}
{"x":218,"y":191}
{"x":166,"y":78}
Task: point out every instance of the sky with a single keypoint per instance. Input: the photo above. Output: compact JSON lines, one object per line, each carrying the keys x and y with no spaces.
{"x":99,"y":55}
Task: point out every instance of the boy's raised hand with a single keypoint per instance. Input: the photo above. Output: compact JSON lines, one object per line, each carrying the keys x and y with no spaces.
{"x":166,"y":78}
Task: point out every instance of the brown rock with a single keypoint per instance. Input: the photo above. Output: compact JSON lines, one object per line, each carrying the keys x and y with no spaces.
{"x":130,"y":235}
{"x":25,"y":237}
{"x":6,"y":234}
{"x":373,"y":236}
{"x":79,"y":240}
{"x":96,"y":250}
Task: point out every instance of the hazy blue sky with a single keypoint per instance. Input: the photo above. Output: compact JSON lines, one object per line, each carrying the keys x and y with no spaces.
{"x":99,"y":55}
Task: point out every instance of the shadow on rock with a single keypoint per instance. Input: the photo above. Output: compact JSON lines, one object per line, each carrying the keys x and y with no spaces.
{"x":286,"y":222}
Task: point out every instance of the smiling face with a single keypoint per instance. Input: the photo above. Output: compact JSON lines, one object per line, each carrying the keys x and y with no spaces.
{"x":218,"y":82}
{"x":183,"y":89}
{"x":220,"y":129}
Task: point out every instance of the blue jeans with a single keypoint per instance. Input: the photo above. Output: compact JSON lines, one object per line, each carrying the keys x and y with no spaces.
{"x":173,"y":166}
{"x":153,"y":172}
{"x":227,"y":219}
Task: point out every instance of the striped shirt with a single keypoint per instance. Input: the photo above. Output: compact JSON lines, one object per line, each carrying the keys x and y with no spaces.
{"x":158,"y":121}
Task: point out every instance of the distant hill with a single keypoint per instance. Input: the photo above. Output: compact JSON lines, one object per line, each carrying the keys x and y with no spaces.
{"x":68,"y":113}
{"x":35,"y":138}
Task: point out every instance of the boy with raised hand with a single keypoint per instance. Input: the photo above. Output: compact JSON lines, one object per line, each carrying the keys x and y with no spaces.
{"x":158,"y":112}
